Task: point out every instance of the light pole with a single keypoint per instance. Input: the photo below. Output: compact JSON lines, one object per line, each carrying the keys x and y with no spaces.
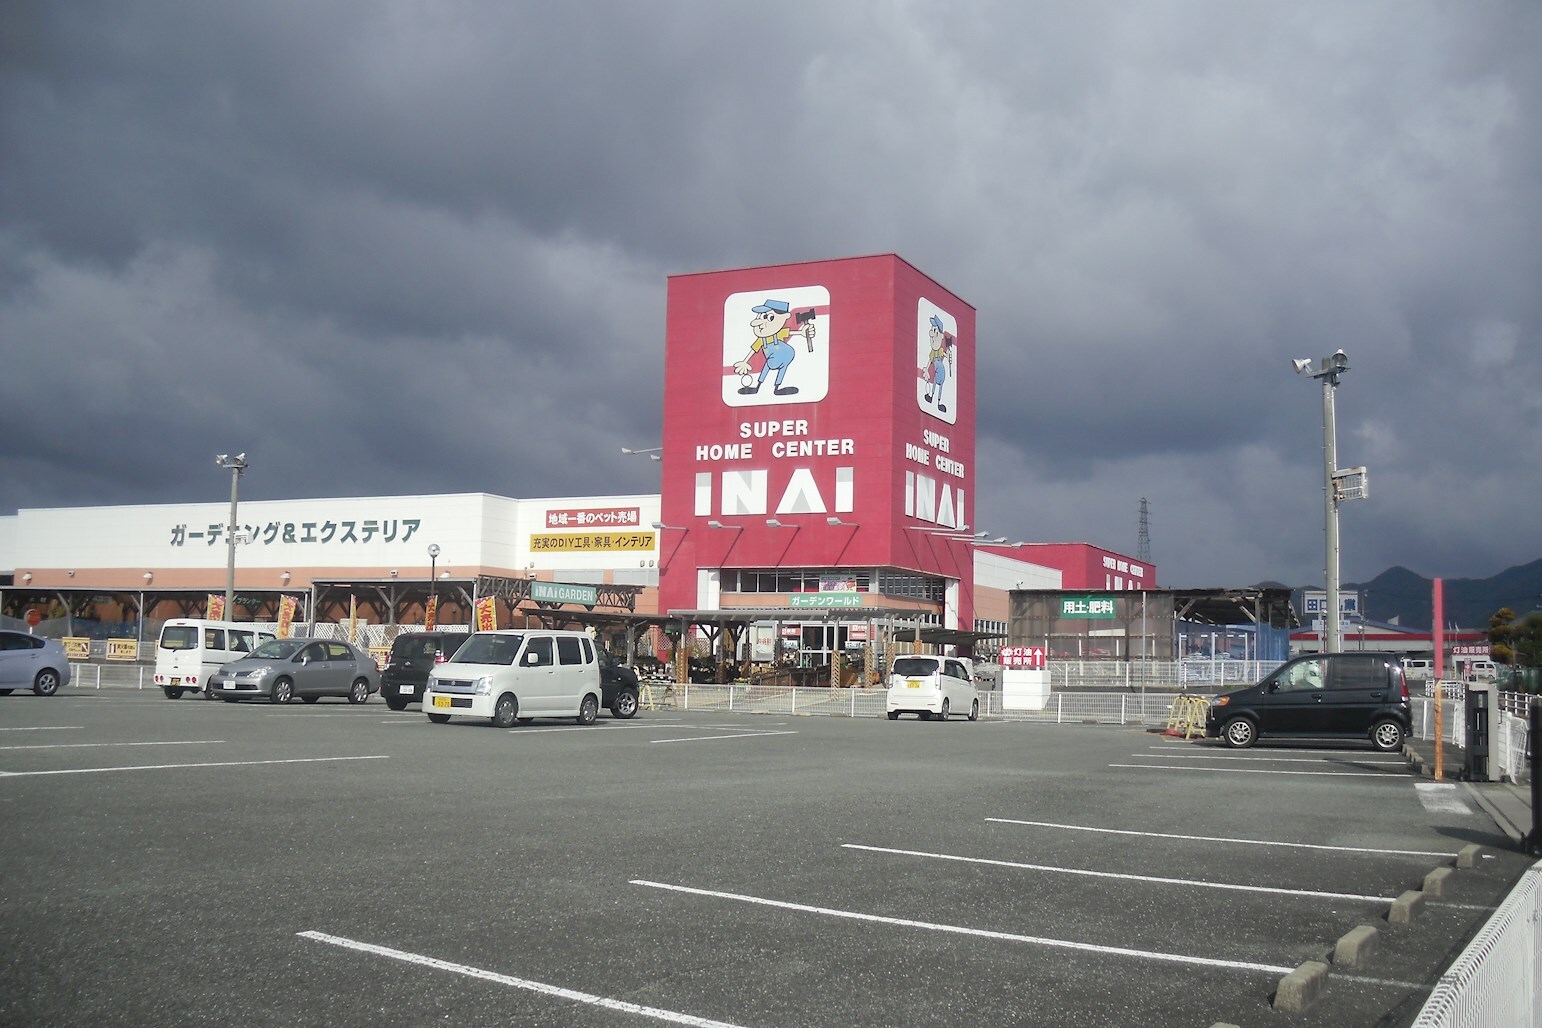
{"x":1329,"y":369}
{"x":237,"y":467}
{"x":433,"y":557}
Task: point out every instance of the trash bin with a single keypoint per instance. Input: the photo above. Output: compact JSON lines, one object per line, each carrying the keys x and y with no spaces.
{"x":1479,"y":703}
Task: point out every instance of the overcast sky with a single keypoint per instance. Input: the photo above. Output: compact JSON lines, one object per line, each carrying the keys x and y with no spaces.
{"x":404,"y":247}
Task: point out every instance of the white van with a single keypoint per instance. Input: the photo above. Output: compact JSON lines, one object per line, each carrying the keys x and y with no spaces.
{"x":1418,"y":668}
{"x":930,"y":686}
{"x":517,"y":675}
{"x":189,"y":650}
{"x":1482,"y":671}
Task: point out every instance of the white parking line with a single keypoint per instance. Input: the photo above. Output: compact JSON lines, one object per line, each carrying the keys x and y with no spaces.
{"x":719,"y":738}
{"x":1262,"y":771}
{"x":165,"y":767}
{"x":671,"y":1016}
{"x":46,"y":728}
{"x":1390,"y":761}
{"x":1155,"y":880}
{"x":84,"y":745}
{"x":1218,"y":838}
{"x":1085,"y":947}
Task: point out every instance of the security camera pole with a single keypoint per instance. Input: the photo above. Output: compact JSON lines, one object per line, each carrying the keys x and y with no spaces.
{"x":236,"y":466}
{"x":1329,"y":369}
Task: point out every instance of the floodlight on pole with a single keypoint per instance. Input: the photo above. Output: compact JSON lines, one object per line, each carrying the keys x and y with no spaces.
{"x":651,"y":451}
{"x":1328,"y":369}
{"x":236,"y":465}
{"x":433,"y":558}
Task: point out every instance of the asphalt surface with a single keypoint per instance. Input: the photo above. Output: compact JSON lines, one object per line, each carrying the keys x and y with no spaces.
{"x":194,"y":862}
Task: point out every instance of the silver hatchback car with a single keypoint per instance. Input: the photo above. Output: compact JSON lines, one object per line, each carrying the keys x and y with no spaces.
{"x":32,"y":662}
{"x":281,"y":669}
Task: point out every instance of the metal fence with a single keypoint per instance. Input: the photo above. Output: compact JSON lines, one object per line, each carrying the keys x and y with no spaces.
{"x":1497,"y":979}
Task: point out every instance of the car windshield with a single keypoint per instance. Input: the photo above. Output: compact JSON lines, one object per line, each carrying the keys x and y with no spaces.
{"x":279,"y":649}
{"x":912,"y":667}
{"x":488,"y":649}
{"x":407,"y":646}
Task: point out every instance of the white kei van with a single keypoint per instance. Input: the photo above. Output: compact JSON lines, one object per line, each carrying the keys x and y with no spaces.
{"x":189,"y":650}
{"x":930,"y":686}
{"x":517,"y":675}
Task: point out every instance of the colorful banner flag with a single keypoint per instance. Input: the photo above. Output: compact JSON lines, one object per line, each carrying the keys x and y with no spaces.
{"x":286,"y":608}
{"x":487,"y":614}
{"x":431,"y":614}
{"x":216,"y":607}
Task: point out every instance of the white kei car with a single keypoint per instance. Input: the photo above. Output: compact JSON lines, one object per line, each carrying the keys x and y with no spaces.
{"x":931,"y":687}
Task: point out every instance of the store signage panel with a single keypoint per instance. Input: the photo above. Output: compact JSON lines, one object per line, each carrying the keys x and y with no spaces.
{"x":826,"y":601}
{"x":562,"y":592}
{"x":1087,"y":606}
{"x":589,"y":542}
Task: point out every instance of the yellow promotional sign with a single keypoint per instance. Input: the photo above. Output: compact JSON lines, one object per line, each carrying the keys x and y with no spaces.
{"x":382,"y":654}
{"x":76,"y":648}
{"x":216,"y":607}
{"x":431,"y":614}
{"x":122,"y":649}
{"x":487,"y":614}
{"x":590,"y":542}
{"x":286,"y":608}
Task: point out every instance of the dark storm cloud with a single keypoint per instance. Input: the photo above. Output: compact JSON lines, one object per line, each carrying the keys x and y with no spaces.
{"x":396,"y":247}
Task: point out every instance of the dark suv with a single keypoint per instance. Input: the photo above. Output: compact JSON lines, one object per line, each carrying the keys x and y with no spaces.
{"x":413,"y":656}
{"x":618,"y":686}
{"x":1343,"y":695}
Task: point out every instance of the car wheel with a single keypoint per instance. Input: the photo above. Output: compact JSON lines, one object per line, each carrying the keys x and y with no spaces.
{"x":504,"y":711}
{"x":1387,"y":736}
{"x":942,"y":715}
{"x":438,"y":719}
{"x":893,"y":715}
{"x":46,"y":683}
{"x":396,"y":703}
{"x":171,"y":693}
{"x":283,"y":691}
{"x":625,"y":706}
{"x":974,"y":711}
{"x":358,"y":692}
{"x":588,"y":710}
{"x":1239,"y":733}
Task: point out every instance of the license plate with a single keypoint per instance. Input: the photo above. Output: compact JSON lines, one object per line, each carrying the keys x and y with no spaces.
{"x":441,"y":701}
{"x":406,"y":690}
{"x":912,"y":684}
{"x":176,"y":681}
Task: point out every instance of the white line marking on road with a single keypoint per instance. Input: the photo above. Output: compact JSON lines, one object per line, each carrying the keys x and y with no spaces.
{"x":719,"y":738}
{"x":1221,"y":838}
{"x":1262,"y":771}
{"x":1441,"y":798}
{"x":1392,"y":762}
{"x":46,"y":728}
{"x":165,"y":767}
{"x":83,"y":745}
{"x":1085,"y":947}
{"x":671,"y":1016}
{"x":1388,"y":982}
{"x":1306,"y":893}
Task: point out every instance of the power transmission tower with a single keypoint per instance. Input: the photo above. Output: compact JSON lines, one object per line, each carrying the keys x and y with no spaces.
{"x":1143,"y":542}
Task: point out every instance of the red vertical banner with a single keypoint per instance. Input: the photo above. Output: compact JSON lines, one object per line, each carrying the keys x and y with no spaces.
{"x":216,"y":607}
{"x":286,"y":609}
{"x":487,"y":614}
{"x":431,"y":614}
{"x":353,"y":618}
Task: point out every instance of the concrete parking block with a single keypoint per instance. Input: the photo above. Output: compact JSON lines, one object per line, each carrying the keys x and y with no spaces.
{"x":1299,"y":989}
{"x":1468,"y":856}
{"x":1406,"y":907}
{"x":1356,"y":946}
{"x":1435,"y":881}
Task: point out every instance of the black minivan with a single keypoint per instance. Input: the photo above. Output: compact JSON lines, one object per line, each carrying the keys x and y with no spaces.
{"x":413,"y":656}
{"x":1320,"y":695}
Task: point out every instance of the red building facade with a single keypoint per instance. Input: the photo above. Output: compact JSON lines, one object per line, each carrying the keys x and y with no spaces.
{"x":817,"y":416}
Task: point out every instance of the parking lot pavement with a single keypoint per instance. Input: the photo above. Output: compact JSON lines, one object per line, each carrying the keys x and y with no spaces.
{"x":187,"y":862}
